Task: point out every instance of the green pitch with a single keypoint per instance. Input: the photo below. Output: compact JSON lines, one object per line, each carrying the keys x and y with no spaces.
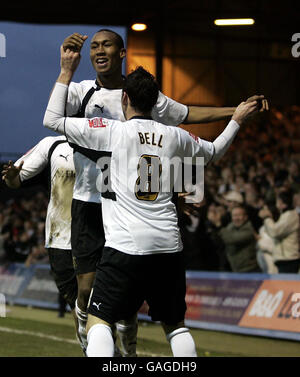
{"x":28,"y":332}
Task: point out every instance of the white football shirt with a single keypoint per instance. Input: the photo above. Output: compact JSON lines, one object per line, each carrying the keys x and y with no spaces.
{"x":136,"y":220}
{"x":106,"y":103}
{"x":58,"y":220}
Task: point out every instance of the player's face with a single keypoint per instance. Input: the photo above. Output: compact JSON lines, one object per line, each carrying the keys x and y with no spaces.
{"x":106,"y":56}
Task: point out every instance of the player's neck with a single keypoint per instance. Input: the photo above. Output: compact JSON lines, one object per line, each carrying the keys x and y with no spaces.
{"x":133,"y":113}
{"x":111,"y":81}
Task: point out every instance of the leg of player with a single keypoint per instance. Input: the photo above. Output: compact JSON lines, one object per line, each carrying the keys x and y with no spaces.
{"x":100,"y":338}
{"x":85,"y":283}
{"x":181,"y":340}
{"x":81,"y":329}
{"x":81,"y":314}
{"x":64,"y":276}
{"x":127,"y":331}
{"x":82,"y":342}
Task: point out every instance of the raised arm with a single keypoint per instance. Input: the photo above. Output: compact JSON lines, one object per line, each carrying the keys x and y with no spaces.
{"x":74,"y":43}
{"x":54,"y":116}
{"x":80,"y":132}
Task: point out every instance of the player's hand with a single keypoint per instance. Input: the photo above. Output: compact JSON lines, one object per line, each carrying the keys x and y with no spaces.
{"x":10,"y":171}
{"x":263,"y":104}
{"x":74,"y":42}
{"x":243,"y":110}
{"x":69,"y":60}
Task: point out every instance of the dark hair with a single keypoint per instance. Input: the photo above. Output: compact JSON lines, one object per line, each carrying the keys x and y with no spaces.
{"x":142,"y":89}
{"x":287,"y":198}
{"x":240,"y":206}
{"x":271,"y":204}
{"x":118,"y":37}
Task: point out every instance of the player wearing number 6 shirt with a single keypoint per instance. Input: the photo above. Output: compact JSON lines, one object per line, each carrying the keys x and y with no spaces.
{"x":142,"y":258}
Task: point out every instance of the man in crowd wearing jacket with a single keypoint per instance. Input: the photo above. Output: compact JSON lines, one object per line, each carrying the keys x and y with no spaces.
{"x":240,"y":242}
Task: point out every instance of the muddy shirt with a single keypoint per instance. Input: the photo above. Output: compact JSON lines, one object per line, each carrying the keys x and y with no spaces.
{"x":62,"y":174}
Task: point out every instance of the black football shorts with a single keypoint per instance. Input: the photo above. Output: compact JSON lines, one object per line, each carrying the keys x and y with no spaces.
{"x":123,"y":282}
{"x":62,"y":270}
{"x":87,"y":235}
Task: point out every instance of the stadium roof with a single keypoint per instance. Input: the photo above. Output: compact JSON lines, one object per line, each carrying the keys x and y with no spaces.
{"x":276,"y":20}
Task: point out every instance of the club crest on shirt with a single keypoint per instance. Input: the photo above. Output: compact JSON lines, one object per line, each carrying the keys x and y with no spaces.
{"x":194,"y":137}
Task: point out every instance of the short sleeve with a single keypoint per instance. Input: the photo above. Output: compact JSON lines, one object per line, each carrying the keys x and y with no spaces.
{"x":75,"y":94}
{"x":36,"y":159}
{"x":193,"y":146}
{"x":169,"y":112}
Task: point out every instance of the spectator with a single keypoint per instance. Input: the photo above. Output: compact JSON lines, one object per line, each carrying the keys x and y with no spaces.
{"x":240,"y":242}
{"x":215,"y":214}
{"x":284,"y":231}
{"x":265,"y":246}
{"x":228,"y":180}
{"x":197,"y":248}
{"x":233,"y":198}
{"x":38,"y":254}
{"x":21,"y":227}
{"x":296,"y":202}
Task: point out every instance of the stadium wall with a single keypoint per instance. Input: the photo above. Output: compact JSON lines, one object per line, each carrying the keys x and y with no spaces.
{"x":252,"y":304}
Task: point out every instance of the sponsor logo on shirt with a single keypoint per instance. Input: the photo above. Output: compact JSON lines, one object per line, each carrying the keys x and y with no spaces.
{"x":97,"y":123}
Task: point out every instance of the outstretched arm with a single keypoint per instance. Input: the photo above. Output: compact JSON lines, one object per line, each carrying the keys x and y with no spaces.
{"x":212,"y":151}
{"x":199,"y":114}
{"x":225,"y":139}
{"x":11,"y":174}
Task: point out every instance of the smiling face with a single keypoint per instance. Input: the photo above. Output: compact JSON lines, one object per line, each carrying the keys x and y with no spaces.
{"x":238,"y":216}
{"x":106,"y":54}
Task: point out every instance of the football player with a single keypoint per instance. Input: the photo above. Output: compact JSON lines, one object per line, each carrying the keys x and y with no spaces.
{"x":142,"y":258}
{"x":102,"y":97}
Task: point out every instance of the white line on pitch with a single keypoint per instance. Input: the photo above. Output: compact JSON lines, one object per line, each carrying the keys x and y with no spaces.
{"x":56,"y":338}
{"x":38,"y":334}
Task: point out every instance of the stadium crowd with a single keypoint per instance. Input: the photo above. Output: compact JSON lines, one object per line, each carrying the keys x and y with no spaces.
{"x":246,"y":222}
{"x":22,"y":229}
{"x":227,"y":230}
